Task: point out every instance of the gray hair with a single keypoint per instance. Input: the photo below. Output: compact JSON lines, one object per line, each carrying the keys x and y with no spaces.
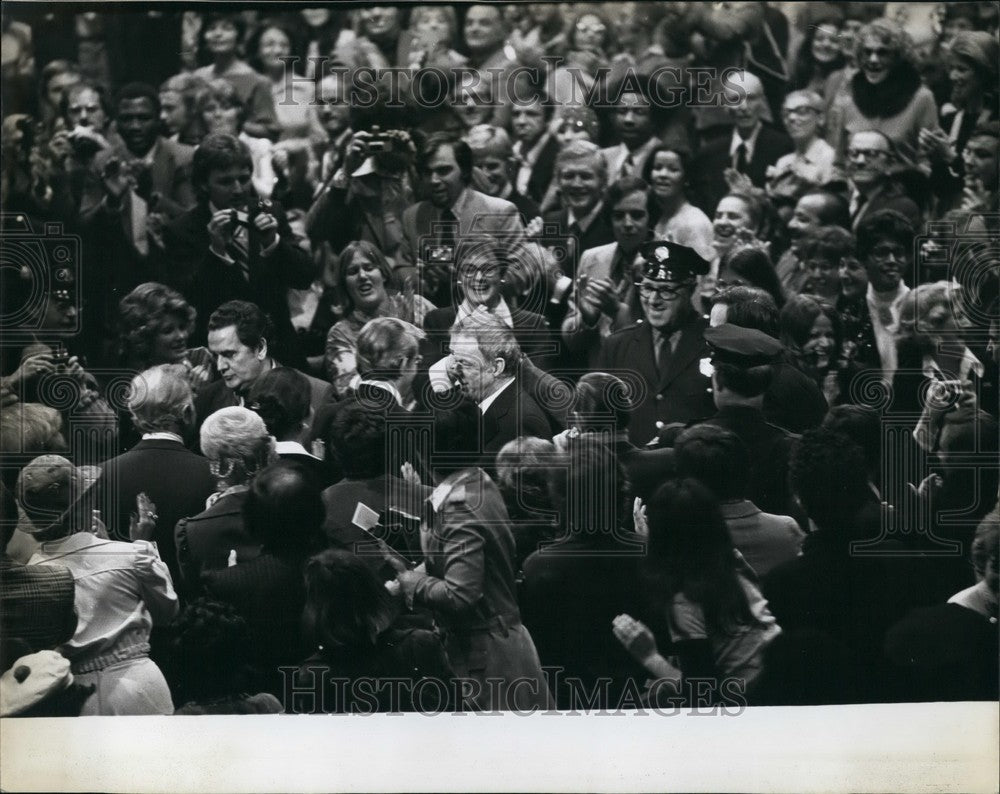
{"x":524,"y":454}
{"x":235,"y":439}
{"x":382,"y":342}
{"x":578,"y":150}
{"x":489,"y":139}
{"x":158,"y":398}
{"x":493,"y":338}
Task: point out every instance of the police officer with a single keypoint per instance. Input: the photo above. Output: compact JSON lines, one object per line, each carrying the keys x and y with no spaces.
{"x":742,"y":367}
{"x":664,"y":348}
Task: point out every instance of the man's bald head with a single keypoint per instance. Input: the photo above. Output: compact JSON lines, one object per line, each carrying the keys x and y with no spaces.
{"x":745,"y":101}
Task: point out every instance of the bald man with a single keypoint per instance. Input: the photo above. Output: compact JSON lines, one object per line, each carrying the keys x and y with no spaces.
{"x":752,"y":146}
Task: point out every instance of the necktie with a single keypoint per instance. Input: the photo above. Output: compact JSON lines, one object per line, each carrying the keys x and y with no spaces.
{"x":628,"y":165}
{"x":662,"y":349}
{"x":239,"y":250}
{"x":741,"y":158}
{"x":449,"y":227}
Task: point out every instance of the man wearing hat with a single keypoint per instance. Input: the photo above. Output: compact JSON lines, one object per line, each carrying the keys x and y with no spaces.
{"x":742,"y":365}
{"x":665,"y":346}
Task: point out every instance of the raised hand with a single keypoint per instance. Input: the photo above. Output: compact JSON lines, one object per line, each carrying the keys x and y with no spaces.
{"x":142,"y":523}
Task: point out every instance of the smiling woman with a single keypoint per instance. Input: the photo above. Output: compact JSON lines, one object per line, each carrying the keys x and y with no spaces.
{"x":363,"y":281}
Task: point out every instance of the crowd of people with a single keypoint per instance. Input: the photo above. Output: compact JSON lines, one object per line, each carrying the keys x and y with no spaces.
{"x":498,"y":357}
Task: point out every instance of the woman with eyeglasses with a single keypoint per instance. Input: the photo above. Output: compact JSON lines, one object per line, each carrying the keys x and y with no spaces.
{"x":811,"y":164}
{"x":886,"y":94}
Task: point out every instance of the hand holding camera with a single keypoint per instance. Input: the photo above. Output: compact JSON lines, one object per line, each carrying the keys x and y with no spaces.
{"x":117,"y":179}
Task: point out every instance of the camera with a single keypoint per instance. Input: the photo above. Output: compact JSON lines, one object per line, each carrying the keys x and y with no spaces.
{"x":968,"y":256}
{"x":380,"y":141}
{"x":38,"y":268}
{"x":254,"y":208}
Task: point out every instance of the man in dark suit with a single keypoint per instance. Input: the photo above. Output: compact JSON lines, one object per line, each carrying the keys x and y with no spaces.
{"x":484,"y":362}
{"x":233,"y":246}
{"x":581,"y":223}
{"x":659,"y":356}
{"x":240,"y":337}
{"x":176,"y":480}
{"x":237,"y":444}
{"x":742,"y":360}
{"x":751,"y":148}
{"x":870,"y":160}
{"x":535,"y":149}
{"x":454,"y":211}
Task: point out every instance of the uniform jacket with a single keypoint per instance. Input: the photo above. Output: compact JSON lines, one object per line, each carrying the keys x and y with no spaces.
{"x":679,"y":394}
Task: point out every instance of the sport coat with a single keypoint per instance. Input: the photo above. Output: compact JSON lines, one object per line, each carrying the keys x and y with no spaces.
{"x":514,"y":413}
{"x":169,"y":172}
{"x":580,"y":338}
{"x":571,"y":246}
{"x":680,"y":393}
{"x":477,"y":214}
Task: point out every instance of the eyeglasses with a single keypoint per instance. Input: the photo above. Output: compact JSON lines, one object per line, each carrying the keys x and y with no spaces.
{"x":667,"y":290}
{"x":881,"y":52}
{"x":585,"y":28}
{"x":868,"y":154}
{"x":802,"y":110}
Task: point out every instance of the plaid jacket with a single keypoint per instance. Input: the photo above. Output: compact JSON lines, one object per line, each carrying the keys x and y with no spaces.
{"x":36,"y":604}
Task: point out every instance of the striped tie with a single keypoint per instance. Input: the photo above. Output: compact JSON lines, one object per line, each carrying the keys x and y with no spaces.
{"x":239,"y":250}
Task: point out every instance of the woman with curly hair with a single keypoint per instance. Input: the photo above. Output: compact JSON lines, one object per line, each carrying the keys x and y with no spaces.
{"x":363,"y":281}
{"x":886,"y":94}
{"x":819,"y":55}
{"x":155,"y":322}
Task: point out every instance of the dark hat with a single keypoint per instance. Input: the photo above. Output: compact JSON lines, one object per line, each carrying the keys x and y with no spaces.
{"x":668,"y":261}
{"x":742,"y":347}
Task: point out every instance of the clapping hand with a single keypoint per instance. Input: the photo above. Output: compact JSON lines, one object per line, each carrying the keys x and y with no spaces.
{"x":635,"y":636}
{"x":639,"y":518}
{"x":142,"y":523}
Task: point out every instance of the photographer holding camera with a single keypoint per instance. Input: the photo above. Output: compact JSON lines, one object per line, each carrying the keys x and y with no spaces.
{"x":233,"y":245}
{"x":365,"y":198}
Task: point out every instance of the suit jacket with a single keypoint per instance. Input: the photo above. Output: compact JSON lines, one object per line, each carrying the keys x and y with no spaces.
{"x":514,"y":413}
{"x":208,"y":281}
{"x":764,"y":539}
{"x":570,"y":246}
{"x":477,"y":214}
{"x":218,"y":395}
{"x":708,"y":180}
{"x":169,"y":175}
{"x":176,"y":480}
{"x":37,"y":606}
{"x":680,"y":393}
{"x":581,"y":339}
{"x":204,"y":541}
{"x":616,"y":155}
{"x":530,"y":329}
{"x":543,"y":170}
{"x":888,"y":196}
{"x":269,"y":593}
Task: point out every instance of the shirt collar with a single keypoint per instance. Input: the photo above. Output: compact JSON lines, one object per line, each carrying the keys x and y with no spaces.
{"x":531,"y":156}
{"x":584,"y":223}
{"x":883,"y":298}
{"x":507,"y":191}
{"x":750,"y":142}
{"x":291,"y":448}
{"x":162,"y":436}
{"x":488,"y":401}
{"x":501,"y":312}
